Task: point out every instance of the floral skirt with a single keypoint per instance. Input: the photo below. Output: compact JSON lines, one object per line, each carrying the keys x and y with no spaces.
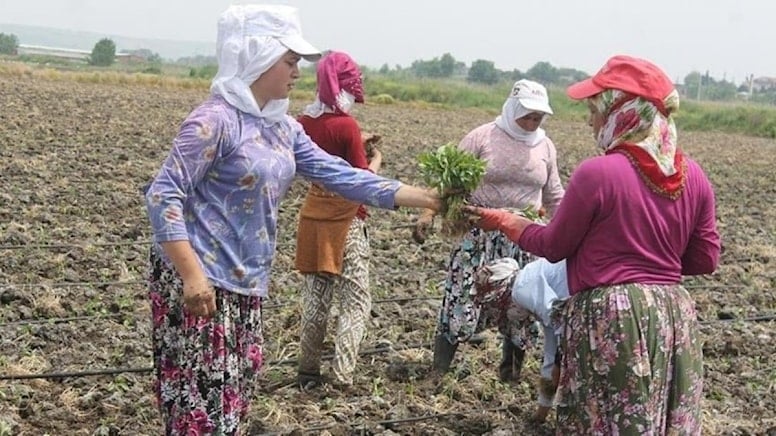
{"x":632,"y":362}
{"x":205,"y":368}
{"x":460,"y":316}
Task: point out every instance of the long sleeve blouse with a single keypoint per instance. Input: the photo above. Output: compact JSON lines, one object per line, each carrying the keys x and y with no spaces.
{"x":613,"y":229}
{"x":222,"y":183}
{"x":517,"y":174}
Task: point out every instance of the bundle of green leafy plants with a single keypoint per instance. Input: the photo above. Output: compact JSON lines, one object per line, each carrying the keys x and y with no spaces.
{"x":454,"y":173}
{"x":531,"y":213}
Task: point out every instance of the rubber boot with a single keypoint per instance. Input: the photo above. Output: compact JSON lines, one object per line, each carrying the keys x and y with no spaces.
{"x":309,"y":380}
{"x":444,"y":352}
{"x":511,"y":361}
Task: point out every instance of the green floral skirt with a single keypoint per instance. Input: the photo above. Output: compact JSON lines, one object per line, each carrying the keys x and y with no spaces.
{"x":632,"y":362}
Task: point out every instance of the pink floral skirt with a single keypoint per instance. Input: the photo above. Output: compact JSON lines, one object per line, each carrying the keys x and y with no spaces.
{"x":205,"y":368}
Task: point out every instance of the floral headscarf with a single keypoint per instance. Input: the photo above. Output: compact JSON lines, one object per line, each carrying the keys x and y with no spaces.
{"x":635,"y":127}
{"x":493,"y":292}
{"x":339,"y":85}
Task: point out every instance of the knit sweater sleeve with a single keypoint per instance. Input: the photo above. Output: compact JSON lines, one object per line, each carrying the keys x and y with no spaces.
{"x":560,"y":238}
{"x":703,"y":249}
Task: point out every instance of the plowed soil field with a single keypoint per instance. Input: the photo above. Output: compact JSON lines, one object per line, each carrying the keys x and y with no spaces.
{"x":74,"y":243}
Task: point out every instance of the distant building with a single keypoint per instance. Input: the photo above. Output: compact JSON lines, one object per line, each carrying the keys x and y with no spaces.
{"x":57,"y":52}
{"x":73,"y":54}
{"x":761,"y":84}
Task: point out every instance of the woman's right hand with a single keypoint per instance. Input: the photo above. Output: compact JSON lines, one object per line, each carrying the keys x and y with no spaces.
{"x":199,"y":297}
{"x":508,"y":223}
{"x":422,"y":226}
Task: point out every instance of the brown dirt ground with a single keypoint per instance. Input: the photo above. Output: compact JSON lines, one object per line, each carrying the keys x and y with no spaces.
{"x":74,"y":156}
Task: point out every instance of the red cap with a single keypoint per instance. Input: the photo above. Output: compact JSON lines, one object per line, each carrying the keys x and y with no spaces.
{"x":633,"y":75}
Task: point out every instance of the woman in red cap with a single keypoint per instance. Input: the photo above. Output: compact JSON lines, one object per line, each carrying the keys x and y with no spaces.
{"x":332,"y":250}
{"x":632,"y":223}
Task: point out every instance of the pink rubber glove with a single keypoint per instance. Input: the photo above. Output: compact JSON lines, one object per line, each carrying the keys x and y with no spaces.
{"x":510,"y":224}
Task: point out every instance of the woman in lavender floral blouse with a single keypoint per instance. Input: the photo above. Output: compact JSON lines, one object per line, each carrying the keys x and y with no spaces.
{"x":213,"y":208}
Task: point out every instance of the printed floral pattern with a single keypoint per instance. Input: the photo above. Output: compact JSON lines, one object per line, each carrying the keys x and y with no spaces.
{"x":637,"y":121}
{"x":632,"y":363}
{"x":205,"y":368}
{"x":222,"y":184}
{"x":460,"y":316}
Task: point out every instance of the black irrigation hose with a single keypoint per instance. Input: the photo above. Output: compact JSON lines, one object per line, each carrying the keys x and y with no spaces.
{"x":67,"y":319}
{"x":388,"y":423}
{"x":760,"y":318}
{"x":137,"y":282}
{"x":76,"y":374}
{"x":72,"y":284}
{"x":376,"y":350}
{"x":114,"y":371}
{"x":712,"y":286}
{"x":72,"y":245}
{"x":62,"y":320}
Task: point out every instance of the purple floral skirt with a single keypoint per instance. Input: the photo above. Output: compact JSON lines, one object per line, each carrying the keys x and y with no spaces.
{"x":205,"y":368}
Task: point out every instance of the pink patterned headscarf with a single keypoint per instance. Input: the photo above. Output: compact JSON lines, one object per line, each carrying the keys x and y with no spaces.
{"x":338,"y":72}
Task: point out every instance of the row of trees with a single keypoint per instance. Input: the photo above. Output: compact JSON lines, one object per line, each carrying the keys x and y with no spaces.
{"x":696,"y":85}
{"x":485,"y":71}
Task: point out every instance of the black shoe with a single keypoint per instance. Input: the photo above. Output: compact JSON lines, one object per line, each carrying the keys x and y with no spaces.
{"x":512,"y":358}
{"x":444,"y":352}
{"x":307,"y":381}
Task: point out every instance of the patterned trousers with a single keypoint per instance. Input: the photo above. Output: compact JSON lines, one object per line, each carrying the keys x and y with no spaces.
{"x":349,"y":295}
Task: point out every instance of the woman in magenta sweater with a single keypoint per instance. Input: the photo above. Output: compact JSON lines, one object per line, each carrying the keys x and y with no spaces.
{"x":631,"y":223}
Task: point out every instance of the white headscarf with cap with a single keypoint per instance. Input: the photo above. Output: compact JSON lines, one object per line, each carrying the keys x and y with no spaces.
{"x":526,"y":97}
{"x":251,"y":39}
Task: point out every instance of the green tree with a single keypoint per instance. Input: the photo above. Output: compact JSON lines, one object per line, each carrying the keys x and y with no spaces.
{"x":446,"y":65}
{"x":513,"y":76}
{"x":567,"y":76}
{"x":483,"y":71}
{"x":543,"y":72}
{"x":423,"y":68}
{"x":9,"y":44}
{"x":103,"y":53}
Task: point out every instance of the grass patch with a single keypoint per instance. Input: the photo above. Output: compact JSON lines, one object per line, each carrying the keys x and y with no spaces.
{"x":748,"y":119}
{"x":741,"y":118}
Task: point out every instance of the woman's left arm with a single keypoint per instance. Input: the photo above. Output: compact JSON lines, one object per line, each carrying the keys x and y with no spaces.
{"x":702,"y":253}
{"x":361,"y":186}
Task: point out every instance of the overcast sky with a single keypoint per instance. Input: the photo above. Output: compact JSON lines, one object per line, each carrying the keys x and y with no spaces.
{"x":729,"y":38}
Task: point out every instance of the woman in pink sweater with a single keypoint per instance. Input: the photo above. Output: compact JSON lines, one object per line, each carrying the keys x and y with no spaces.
{"x":632,"y":222}
{"x":521,"y":171}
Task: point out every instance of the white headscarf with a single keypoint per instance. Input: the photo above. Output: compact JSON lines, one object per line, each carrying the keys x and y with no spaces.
{"x":345,"y":101}
{"x":511,"y":111}
{"x":526,"y":97}
{"x":251,"y":39}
